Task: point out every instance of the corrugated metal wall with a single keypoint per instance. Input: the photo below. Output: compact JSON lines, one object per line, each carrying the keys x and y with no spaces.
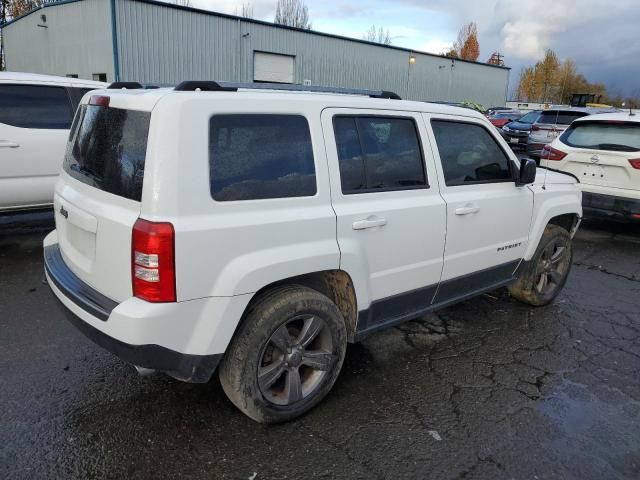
{"x":76,"y":40}
{"x":159,"y":44}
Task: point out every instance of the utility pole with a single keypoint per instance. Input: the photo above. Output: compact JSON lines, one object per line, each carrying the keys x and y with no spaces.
{"x":496,"y":59}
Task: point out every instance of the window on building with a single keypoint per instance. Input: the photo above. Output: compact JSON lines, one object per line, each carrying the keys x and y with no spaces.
{"x":35,"y":106}
{"x":260,"y":156}
{"x":100,"y":77}
{"x":378,"y":154}
{"x":72,"y":75}
{"x":272,"y":67}
{"x":469,"y":154}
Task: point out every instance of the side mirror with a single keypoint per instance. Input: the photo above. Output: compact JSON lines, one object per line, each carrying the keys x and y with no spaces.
{"x":527,"y":173}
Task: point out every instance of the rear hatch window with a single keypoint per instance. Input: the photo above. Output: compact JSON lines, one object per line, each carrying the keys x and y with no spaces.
{"x":559,"y":118}
{"x":618,"y":136}
{"x":107,"y":149}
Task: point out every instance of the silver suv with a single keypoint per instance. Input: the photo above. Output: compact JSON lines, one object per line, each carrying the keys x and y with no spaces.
{"x":550,"y":124}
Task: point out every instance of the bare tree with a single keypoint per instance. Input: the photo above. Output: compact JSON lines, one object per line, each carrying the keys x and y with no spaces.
{"x":378,"y":35}
{"x":246,"y":10}
{"x":292,"y":13}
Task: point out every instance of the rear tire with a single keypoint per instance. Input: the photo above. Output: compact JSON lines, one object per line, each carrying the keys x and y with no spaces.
{"x":285,"y":356}
{"x":545,"y":275}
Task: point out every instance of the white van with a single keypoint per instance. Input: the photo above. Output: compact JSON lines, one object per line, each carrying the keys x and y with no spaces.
{"x":35,"y":117}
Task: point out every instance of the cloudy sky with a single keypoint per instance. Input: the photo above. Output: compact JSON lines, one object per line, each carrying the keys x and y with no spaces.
{"x":603,"y":37}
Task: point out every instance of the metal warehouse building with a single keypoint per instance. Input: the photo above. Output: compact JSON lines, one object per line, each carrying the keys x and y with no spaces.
{"x":159,"y":43}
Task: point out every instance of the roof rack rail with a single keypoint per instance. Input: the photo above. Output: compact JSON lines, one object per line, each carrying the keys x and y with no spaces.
{"x":129,"y":86}
{"x":192,"y":85}
{"x":210,"y":86}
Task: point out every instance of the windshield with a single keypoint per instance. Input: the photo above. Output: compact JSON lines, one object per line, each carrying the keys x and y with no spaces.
{"x":529,"y":117}
{"x":508,"y":116}
{"x":624,"y":137}
{"x":107,"y":149}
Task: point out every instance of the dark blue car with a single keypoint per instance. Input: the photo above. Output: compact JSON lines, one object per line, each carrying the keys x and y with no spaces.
{"x":517,"y":132}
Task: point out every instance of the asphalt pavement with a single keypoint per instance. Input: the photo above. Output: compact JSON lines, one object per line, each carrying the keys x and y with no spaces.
{"x":488,"y":389}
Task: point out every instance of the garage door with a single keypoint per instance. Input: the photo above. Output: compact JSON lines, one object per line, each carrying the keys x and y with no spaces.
{"x":272,"y":67}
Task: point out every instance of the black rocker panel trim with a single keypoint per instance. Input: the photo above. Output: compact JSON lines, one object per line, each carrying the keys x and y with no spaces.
{"x":396,"y":309}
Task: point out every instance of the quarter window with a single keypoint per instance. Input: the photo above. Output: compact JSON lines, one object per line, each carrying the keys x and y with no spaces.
{"x":469,"y":154}
{"x":378,"y":154}
{"x":77,"y":94}
{"x":260,"y":156}
{"x":35,"y":106}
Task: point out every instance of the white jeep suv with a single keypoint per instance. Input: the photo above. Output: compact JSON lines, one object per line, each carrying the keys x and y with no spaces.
{"x":35,"y":116}
{"x":256,"y":232}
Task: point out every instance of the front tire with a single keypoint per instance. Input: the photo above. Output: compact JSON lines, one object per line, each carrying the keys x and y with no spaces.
{"x":285,"y":356}
{"x":545,"y":275}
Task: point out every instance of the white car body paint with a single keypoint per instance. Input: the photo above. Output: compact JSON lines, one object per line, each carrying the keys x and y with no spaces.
{"x":31,"y":158}
{"x":225,"y":252}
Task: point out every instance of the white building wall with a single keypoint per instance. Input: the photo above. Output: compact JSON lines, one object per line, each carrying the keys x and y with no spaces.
{"x":74,"y":39}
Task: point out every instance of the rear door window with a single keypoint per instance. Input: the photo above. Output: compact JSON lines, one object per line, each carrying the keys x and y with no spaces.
{"x":614,"y":136}
{"x":378,"y":154}
{"x":257,"y":156}
{"x":559,"y":118}
{"x":469,"y":154}
{"x":35,"y":106}
{"x":107,"y":149}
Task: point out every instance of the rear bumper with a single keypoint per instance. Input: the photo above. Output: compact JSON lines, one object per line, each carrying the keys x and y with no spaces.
{"x":89,"y":311}
{"x":610,"y":207}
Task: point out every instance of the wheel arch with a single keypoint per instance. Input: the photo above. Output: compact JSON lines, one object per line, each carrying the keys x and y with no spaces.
{"x":562,"y":210}
{"x":335,"y":284}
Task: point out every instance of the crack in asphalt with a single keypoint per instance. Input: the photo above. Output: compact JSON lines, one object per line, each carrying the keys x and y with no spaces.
{"x":602,"y":269}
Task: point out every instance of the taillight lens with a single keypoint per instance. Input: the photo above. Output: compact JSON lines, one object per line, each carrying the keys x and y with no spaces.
{"x":535,"y":128}
{"x":99,"y":100}
{"x":153,"y":261}
{"x":550,"y":153}
{"x":635,"y":163}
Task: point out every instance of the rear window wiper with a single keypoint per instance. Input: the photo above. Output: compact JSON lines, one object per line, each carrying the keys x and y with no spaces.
{"x":87,"y":172}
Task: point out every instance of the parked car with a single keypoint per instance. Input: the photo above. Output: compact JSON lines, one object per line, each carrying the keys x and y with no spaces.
{"x":500,"y":119}
{"x":517,"y":132}
{"x":262,"y":230}
{"x":603,"y":151}
{"x":549,"y":125}
{"x":35,"y":116}
{"x":494,"y":110}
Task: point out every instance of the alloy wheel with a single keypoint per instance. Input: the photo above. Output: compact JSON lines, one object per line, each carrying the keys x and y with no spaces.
{"x":552,"y":266}
{"x":295,"y":360}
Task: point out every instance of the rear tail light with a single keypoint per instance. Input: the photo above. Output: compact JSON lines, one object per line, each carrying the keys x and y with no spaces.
{"x":153,"y":261}
{"x":99,"y":100}
{"x":550,"y":153}
{"x":635,"y":163}
{"x":535,"y":128}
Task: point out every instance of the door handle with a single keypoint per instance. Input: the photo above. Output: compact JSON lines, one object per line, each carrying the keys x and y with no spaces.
{"x":369,"y":222}
{"x":467,"y":210}
{"x":8,"y":144}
